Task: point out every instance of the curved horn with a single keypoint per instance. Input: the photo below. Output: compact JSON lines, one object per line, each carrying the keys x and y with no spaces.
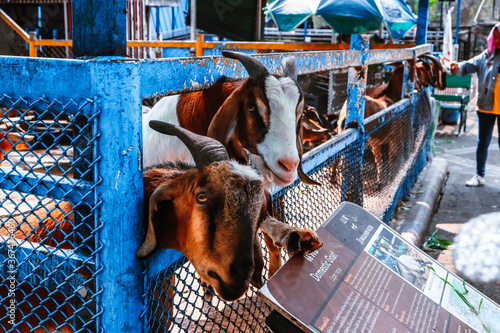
{"x":302,"y":176}
{"x":255,"y":68}
{"x":290,"y":68}
{"x":205,"y":150}
{"x":440,"y":80}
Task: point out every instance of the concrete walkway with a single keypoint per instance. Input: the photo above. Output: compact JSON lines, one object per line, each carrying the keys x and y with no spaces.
{"x":458,"y":203}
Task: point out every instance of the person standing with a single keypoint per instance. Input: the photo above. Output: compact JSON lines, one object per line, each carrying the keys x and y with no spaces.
{"x":486,"y":65}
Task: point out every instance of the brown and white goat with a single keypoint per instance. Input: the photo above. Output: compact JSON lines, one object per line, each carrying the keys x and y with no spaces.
{"x":211,"y":214}
{"x":261,"y":114}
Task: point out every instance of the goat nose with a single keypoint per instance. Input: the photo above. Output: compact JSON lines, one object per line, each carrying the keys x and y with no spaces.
{"x":288,"y":163}
{"x":241,"y":270}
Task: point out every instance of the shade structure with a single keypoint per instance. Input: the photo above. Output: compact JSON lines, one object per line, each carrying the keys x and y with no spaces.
{"x":345,"y":16}
{"x":288,"y":14}
{"x":350,"y":16}
{"x":398,"y":17}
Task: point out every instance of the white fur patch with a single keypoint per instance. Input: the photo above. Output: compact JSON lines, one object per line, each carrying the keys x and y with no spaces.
{"x":280,"y":140}
{"x":245,"y":171}
{"x":160,"y":148}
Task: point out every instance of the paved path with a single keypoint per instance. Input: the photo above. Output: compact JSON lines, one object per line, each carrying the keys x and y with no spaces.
{"x":460,"y":203}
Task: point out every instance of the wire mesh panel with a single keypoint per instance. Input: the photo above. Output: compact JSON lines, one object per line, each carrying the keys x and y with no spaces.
{"x":63,"y":52}
{"x":177,"y":301}
{"x":10,"y":42}
{"x":391,"y":150}
{"x":73,"y":272}
{"x":48,"y":223}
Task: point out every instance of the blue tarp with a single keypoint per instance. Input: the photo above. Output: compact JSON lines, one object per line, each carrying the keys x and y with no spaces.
{"x":345,"y":16}
{"x":288,"y":14}
{"x":350,"y":16}
{"x":398,"y":17}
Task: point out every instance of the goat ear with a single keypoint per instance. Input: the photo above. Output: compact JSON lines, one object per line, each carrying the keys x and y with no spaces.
{"x":162,"y":193}
{"x":224,"y":122}
{"x":302,"y":175}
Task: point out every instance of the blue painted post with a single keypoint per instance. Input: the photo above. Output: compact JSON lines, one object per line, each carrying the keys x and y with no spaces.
{"x":116,"y":86}
{"x":356,"y":84}
{"x":99,"y":28}
{"x":458,"y":22}
{"x":305,"y":31}
{"x":408,"y":85}
{"x":352,"y":184}
{"x":422,"y":22}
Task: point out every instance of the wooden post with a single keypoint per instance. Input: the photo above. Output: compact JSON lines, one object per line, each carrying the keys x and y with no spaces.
{"x":121,"y":191}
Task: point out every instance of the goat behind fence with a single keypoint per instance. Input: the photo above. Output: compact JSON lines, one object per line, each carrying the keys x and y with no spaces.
{"x":81,"y":143}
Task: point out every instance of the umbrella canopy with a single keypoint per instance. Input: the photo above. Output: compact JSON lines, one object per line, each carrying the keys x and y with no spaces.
{"x":344,"y":16}
{"x":398,"y":17}
{"x":288,"y":14}
{"x":350,"y":16}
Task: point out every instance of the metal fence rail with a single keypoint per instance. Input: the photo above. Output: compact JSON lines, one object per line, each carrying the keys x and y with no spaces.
{"x":71,"y":140}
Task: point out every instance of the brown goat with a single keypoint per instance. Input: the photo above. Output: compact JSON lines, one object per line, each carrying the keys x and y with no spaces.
{"x":313,"y":131}
{"x":427,"y":70}
{"x":220,"y":238}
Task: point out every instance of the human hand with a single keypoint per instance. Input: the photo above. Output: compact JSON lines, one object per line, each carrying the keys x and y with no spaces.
{"x":454,"y":68}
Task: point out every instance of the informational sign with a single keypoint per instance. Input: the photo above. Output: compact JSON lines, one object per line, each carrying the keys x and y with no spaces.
{"x":366,"y":278}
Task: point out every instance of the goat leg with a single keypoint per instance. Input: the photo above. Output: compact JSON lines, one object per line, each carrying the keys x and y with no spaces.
{"x":294,"y":240}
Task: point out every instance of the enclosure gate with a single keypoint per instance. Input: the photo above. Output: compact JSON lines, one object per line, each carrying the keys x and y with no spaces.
{"x":72,"y":137}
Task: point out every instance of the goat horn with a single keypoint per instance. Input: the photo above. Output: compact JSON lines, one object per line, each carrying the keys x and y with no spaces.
{"x":290,"y":68}
{"x":304,"y":178}
{"x":205,"y":150}
{"x":441,"y":73}
{"x":255,"y":68}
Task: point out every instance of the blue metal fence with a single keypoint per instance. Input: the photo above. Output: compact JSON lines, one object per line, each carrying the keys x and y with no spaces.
{"x":75,"y":131}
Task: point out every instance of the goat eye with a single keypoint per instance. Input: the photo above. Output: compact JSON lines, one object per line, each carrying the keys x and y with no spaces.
{"x":201,"y":198}
{"x":251,"y":108}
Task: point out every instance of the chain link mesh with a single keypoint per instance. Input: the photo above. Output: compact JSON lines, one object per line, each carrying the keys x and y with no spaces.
{"x":63,"y":52}
{"x":390,"y":152}
{"x":48,"y":223}
{"x":48,"y":168}
{"x":176,"y":300}
{"x":10,"y":42}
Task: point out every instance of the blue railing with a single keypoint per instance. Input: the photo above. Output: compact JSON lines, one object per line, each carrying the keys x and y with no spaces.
{"x":75,"y":130}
